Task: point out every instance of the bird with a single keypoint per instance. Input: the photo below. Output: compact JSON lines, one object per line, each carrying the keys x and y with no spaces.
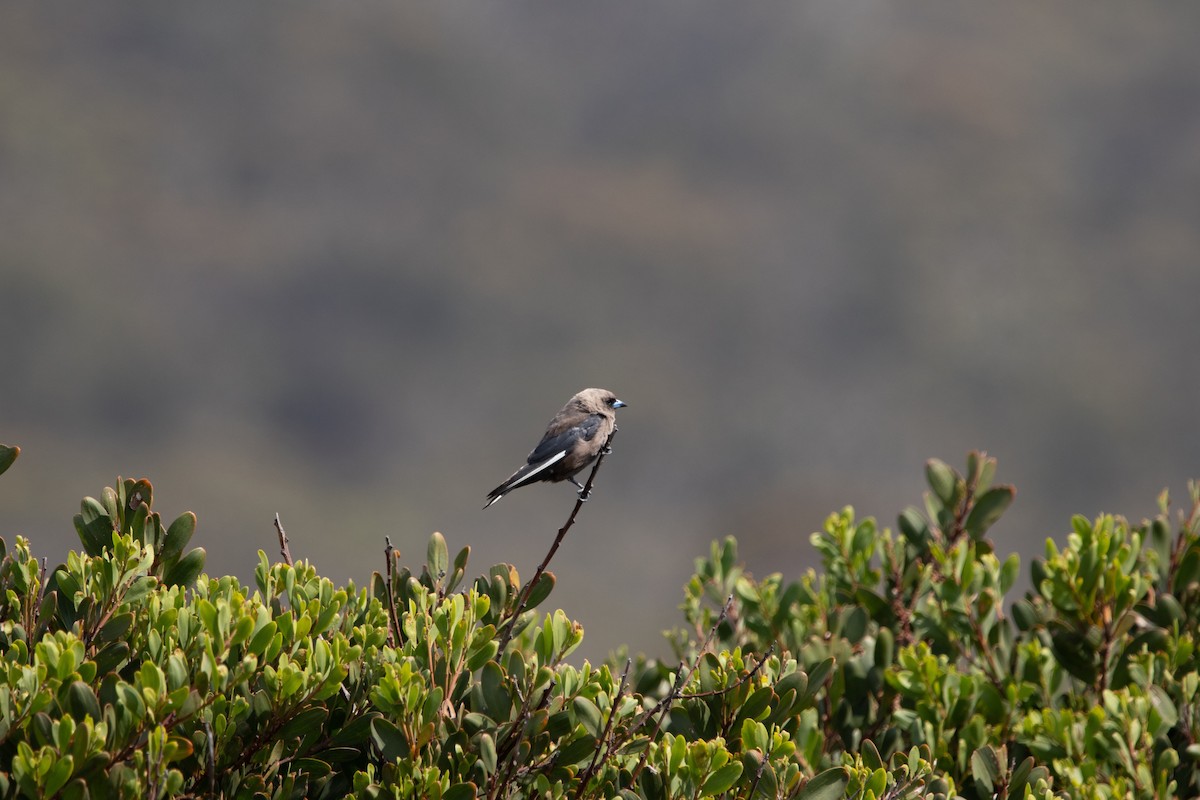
{"x":573,"y":440}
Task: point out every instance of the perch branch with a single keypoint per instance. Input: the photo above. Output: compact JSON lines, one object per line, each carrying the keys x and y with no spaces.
{"x":584,"y":493}
{"x":284,"y":551}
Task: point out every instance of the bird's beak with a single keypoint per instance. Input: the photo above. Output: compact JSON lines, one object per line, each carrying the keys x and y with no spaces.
{"x":619,"y":404}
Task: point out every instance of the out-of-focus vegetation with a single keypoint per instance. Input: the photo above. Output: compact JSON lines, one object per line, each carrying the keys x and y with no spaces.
{"x":343,"y":263}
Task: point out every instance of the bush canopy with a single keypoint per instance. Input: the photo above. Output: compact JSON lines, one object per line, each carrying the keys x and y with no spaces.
{"x":903,"y":669}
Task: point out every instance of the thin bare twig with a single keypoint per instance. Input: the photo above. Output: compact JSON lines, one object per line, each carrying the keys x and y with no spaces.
{"x":284,"y":551}
{"x":562,"y":532}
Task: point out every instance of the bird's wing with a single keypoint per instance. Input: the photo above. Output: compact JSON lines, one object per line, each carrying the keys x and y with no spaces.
{"x":527,"y":473}
{"x":560,"y":444}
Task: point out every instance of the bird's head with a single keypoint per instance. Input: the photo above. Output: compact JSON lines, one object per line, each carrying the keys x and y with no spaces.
{"x":597,"y":401}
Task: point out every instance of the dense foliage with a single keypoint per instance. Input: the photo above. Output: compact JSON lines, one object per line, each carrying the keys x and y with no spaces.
{"x":901,"y":671}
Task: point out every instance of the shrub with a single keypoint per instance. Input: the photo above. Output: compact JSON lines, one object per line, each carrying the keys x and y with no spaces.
{"x":900,"y":671}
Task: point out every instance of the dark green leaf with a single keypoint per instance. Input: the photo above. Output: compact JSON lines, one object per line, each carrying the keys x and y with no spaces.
{"x":541,"y":591}
{"x":94,"y":534}
{"x":187,"y":570}
{"x":8,"y":454}
{"x":178,"y":535}
{"x":111,"y":656}
{"x":1074,"y":654}
{"x":1019,"y":778}
{"x":389,"y":740}
{"x":988,"y":508}
{"x":870,"y":755}
{"x":942,"y":479}
{"x":722,"y":779}
{"x":313,"y":766}
{"x":875,"y":605}
{"x":356,"y":731}
{"x":985,"y":768}
{"x":818,"y":675}
{"x":913,"y":526}
{"x":115,"y":628}
{"x":588,"y":713}
{"x":854,"y":625}
{"x":487,"y":753}
{"x":885,"y":648}
{"x":576,"y":750}
{"x":82,"y":702}
{"x":461,"y":791}
{"x":829,"y":785}
{"x":307,"y":720}
{"x":437,"y":556}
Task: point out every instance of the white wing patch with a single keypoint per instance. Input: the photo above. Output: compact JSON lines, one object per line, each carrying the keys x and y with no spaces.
{"x":560,"y":455}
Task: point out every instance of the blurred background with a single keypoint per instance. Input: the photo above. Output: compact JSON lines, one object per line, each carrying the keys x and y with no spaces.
{"x":344,"y":261}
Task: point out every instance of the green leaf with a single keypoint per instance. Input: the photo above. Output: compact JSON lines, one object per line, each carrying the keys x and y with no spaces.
{"x":875,"y":605}
{"x":1019,"y":778}
{"x":985,"y":768}
{"x":1165,"y":712}
{"x":258,"y":643}
{"x":313,"y":767}
{"x":187,"y":570}
{"x":588,"y":713}
{"x":139,"y":589}
{"x":1074,"y":653}
{"x":497,"y":701}
{"x":576,"y":750}
{"x":541,"y":591}
{"x":437,"y":556}
{"x":112,"y":656}
{"x":988,"y":508}
{"x":137,"y":492}
{"x":942,"y":479}
{"x":178,"y":535}
{"x":115,"y":628}
{"x":722,"y":779}
{"x":756,"y":703}
{"x":58,"y":775}
{"x":829,"y":785}
{"x":356,"y":731}
{"x":389,"y":740}
{"x":487,"y":753}
{"x":817,"y":677}
{"x":82,"y":702}
{"x":885,"y":648}
{"x":461,"y":791}
{"x":913,"y":526}
{"x":854,"y":625}
{"x":95,"y":529}
{"x":797,"y":682}
{"x":307,"y":720}
{"x":1009,"y":572}
{"x":870,"y":755}
{"x":8,"y":454}
{"x":1024,"y":614}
